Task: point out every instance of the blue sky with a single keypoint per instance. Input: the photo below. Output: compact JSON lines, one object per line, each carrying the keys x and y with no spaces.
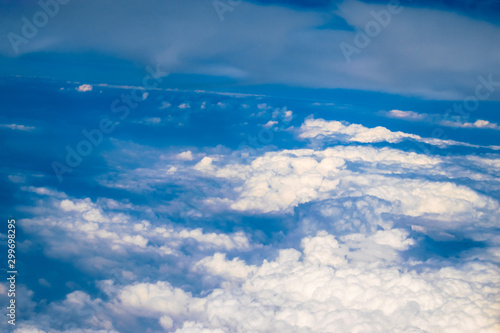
{"x":252,"y":166}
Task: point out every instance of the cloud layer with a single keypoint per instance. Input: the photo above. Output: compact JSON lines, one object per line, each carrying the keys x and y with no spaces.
{"x":288,"y":46}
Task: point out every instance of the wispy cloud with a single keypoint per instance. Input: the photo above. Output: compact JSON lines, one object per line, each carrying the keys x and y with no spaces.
{"x":320,"y":130}
{"x":406,"y":115}
{"x":440,"y":120}
{"x":477,"y":124}
{"x":18,"y":127}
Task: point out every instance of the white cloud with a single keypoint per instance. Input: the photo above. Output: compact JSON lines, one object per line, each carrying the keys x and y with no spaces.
{"x":185,"y":156}
{"x":320,"y":129}
{"x":18,"y":127}
{"x":314,"y":128}
{"x":90,"y":212}
{"x":270,"y":124}
{"x":218,"y":265}
{"x":406,"y":115}
{"x":486,"y":163}
{"x":283,"y":114}
{"x":477,"y":124}
{"x":280,"y":181}
{"x":347,"y":282}
{"x":193,"y":327}
{"x":440,"y":120}
{"x":204,"y":164}
{"x":332,"y":285}
{"x":82,"y":224}
{"x":28,"y":329}
{"x":354,"y":279}
{"x":320,"y":250}
{"x":43,"y":191}
{"x":84,"y":88}
{"x":149,"y":300}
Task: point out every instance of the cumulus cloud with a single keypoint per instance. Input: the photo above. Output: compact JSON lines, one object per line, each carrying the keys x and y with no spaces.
{"x":279,"y":181}
{"x":334,"y":239}
{"x":320,"y":129}
{"x":352,"y":281}
{"x":154,"y":299}
{"x":347,"y":284}
{"x":415,"y":185}
{"x":185,"y":155}
{"x":204,"y":164}
{"x":314,"y":128}
{"x":218,"y":265}
{"x":84,"y":88}
{"x":108,"y":227}
{"x":485,"y":162}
